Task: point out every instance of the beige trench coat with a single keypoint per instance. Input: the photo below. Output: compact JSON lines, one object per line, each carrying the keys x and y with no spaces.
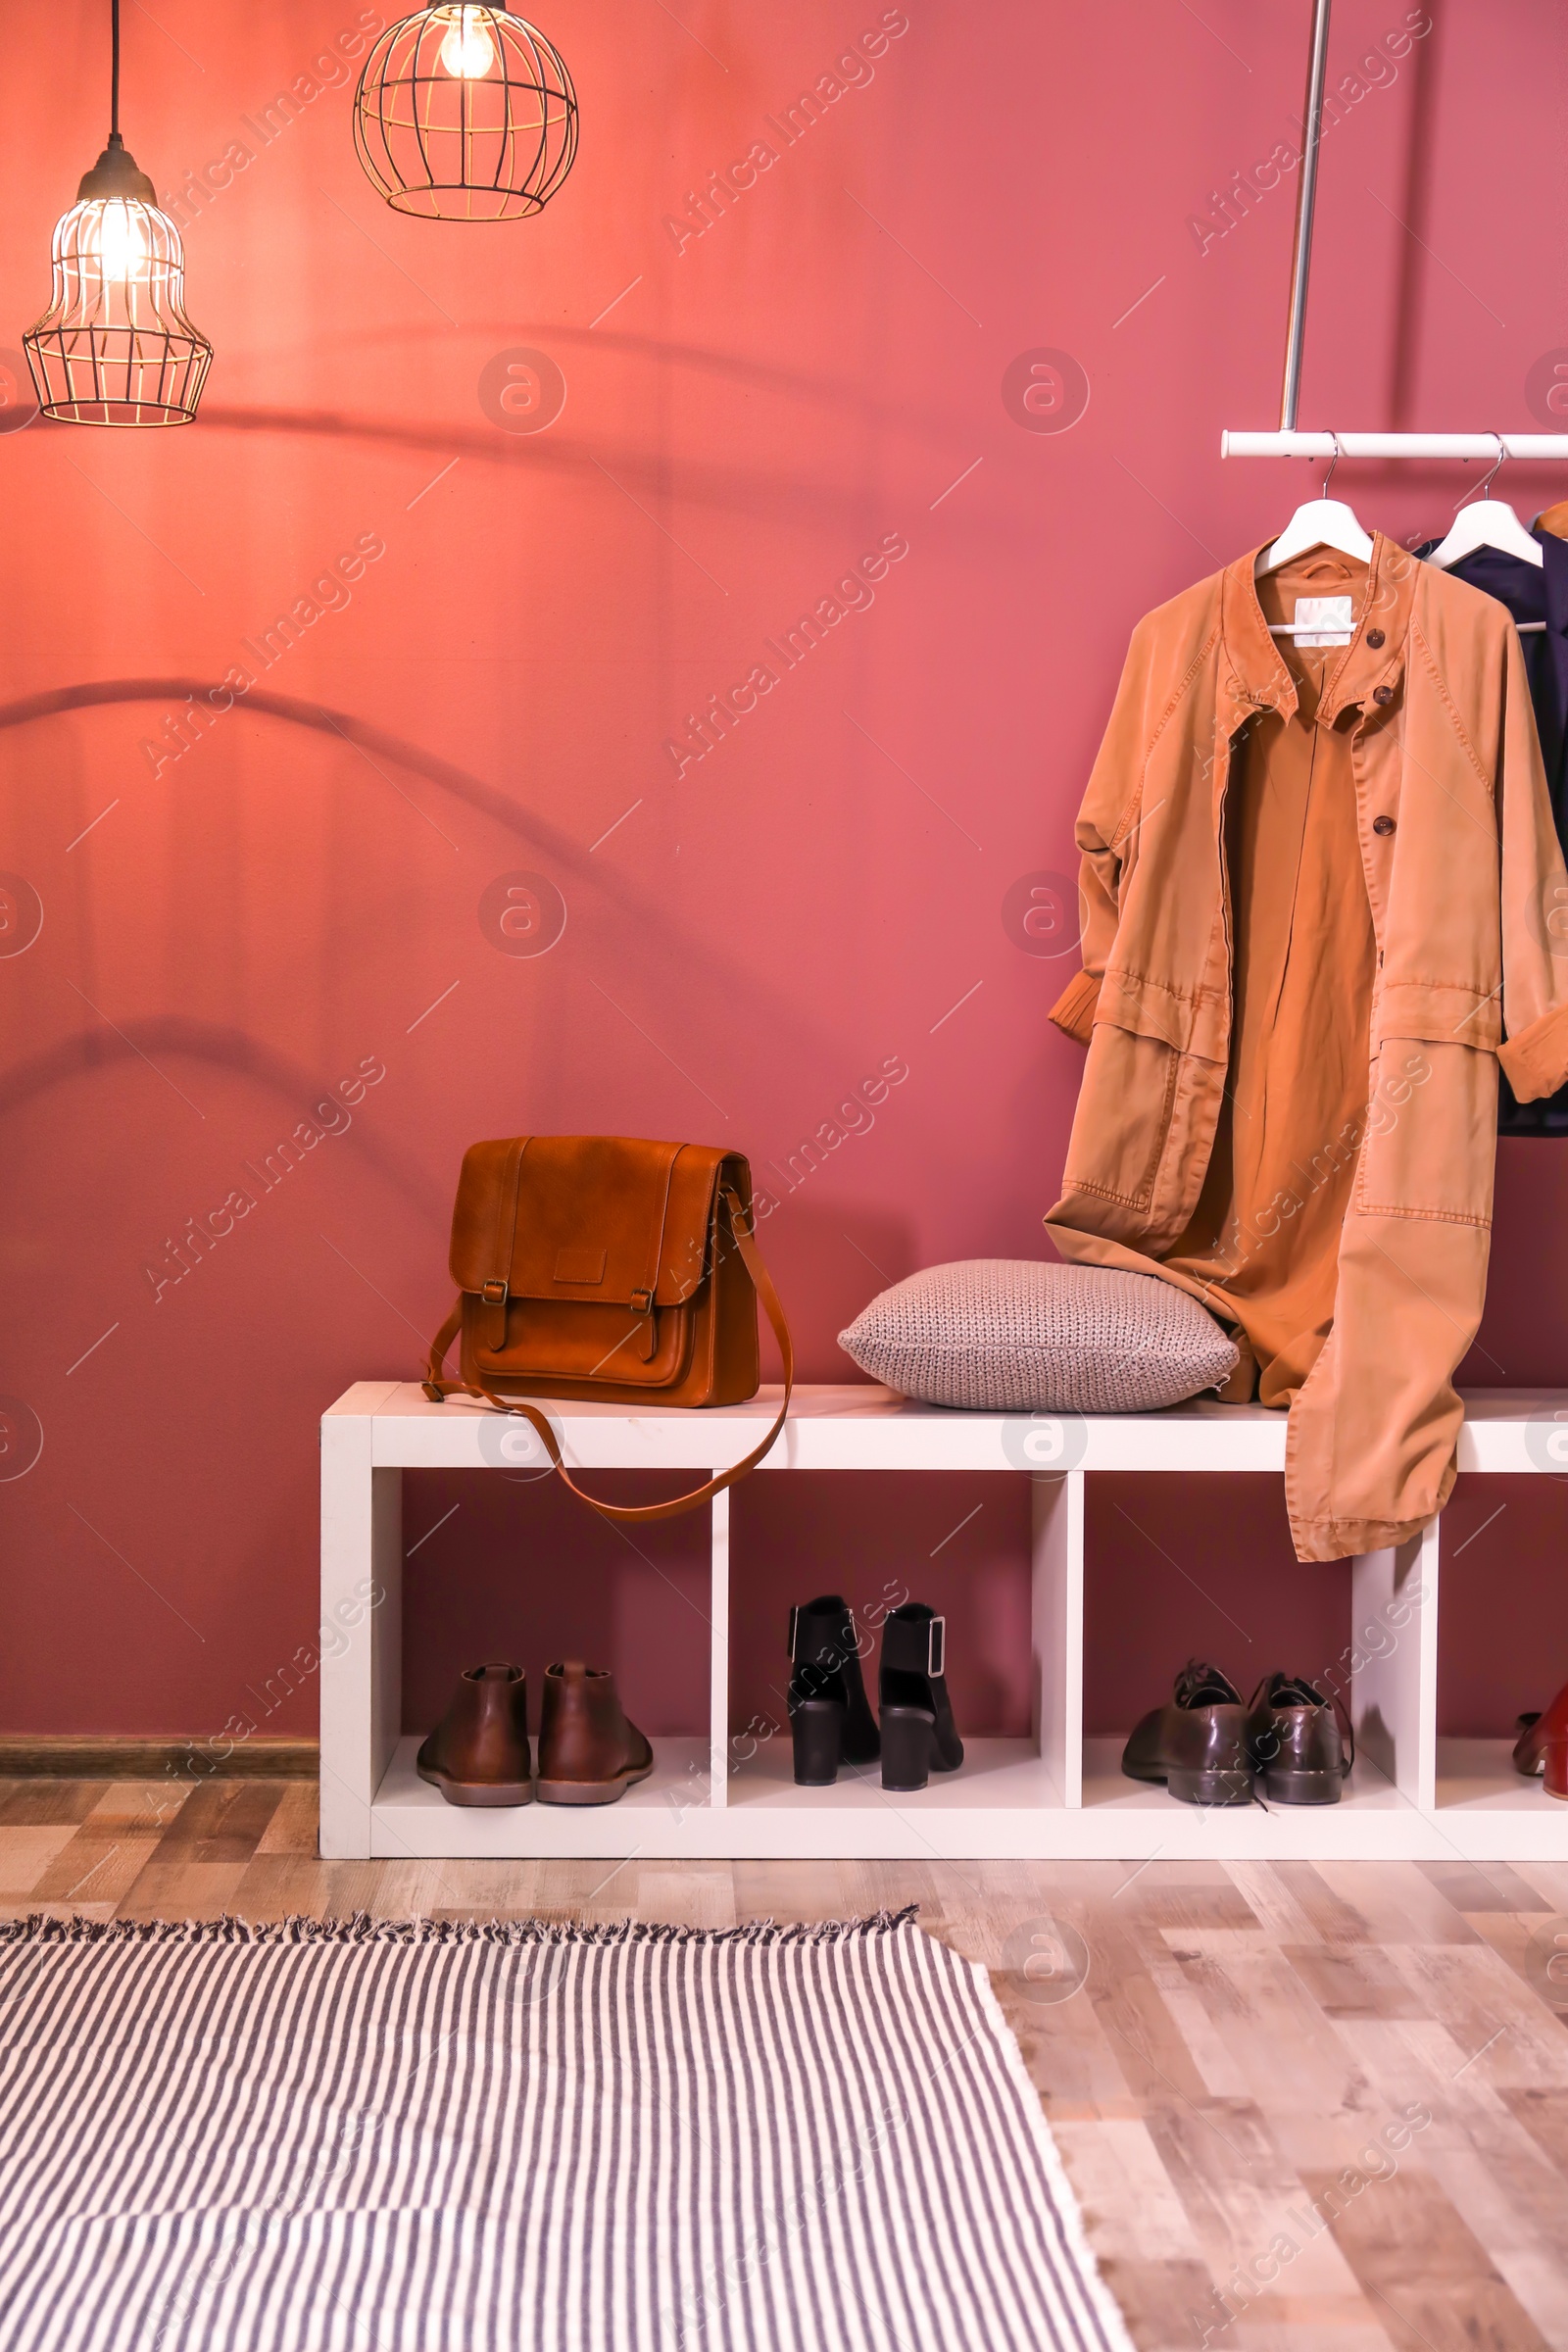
{"x":1469,"y":905}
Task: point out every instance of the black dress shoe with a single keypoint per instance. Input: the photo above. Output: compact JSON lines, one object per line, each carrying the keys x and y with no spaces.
{"x":830,"y":1716}
{"x":918,"y":1733}
{"x":1295,"y":1742}
{"x":1198,"y":1744}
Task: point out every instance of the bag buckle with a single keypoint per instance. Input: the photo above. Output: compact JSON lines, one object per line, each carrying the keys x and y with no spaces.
{"x":642,"y":1302}
{"x":493,"y":1291}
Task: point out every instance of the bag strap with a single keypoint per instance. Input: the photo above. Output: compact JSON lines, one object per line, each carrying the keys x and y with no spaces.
{"x":437,"y":1390}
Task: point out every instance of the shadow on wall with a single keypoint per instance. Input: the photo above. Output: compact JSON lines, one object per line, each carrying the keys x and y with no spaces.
{"x":1425,"y":66}
{"x":317,"y":716}
{"x":233,"y":1049}
{"x":731,"y":984}
{"x":753,"y":492}
{"x":728,"y":367}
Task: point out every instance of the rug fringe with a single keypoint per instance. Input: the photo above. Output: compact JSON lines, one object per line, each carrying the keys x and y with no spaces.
{"x":361,"y":1928}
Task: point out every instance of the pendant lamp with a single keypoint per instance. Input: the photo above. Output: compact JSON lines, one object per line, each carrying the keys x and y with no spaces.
{"x":466,"y":114}
{"x":115,"y":346}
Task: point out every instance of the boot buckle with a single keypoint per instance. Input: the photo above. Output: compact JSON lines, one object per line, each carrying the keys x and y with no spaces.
{"x":828,"y":1656}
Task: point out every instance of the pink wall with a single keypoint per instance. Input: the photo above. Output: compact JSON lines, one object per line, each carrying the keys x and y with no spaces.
{"x":300,"y":895}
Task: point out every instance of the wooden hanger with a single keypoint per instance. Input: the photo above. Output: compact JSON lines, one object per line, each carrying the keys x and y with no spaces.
{"x":1554,"y":520}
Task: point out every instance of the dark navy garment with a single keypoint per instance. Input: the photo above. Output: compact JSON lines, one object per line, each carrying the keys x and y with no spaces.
{"x":1534,"y":594}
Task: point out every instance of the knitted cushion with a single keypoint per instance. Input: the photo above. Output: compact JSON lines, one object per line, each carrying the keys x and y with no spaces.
{"x":1007,"y":1335}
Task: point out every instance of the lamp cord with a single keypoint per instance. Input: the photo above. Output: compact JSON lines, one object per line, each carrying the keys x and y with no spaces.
{"x":113,"y":70}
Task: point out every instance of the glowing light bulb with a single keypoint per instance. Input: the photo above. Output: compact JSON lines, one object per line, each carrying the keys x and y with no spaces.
{"x":122,"y":250}
{"x":468,"y":52}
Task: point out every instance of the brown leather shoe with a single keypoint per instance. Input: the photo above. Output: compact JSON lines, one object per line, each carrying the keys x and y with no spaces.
{"x":1295,"y":1743}
{"x":589,"y":1754}
{"x":1197,"y":1744}
{"x":479,"y":1752}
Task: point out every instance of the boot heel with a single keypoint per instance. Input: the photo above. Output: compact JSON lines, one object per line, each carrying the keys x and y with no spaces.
{"x":1211,"y":1787}
{"x":909,"y":1734}
{"x":817,"y":1726}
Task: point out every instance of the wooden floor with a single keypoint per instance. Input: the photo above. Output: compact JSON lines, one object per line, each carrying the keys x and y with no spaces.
{"x":1237,"y":2059}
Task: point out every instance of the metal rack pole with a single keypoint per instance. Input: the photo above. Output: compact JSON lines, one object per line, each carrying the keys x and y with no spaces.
{"x":1306,"y":204}
{"x":1289,"y":442}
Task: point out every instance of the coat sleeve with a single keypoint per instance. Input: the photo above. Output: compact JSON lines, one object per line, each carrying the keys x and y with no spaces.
{"x":1105,"y":822}
{"x":1534,"y":901}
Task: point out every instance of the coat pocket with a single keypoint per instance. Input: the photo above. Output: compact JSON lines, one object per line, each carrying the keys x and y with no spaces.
{"x":1122,"y":1122}
{"x":1430,"y":1144}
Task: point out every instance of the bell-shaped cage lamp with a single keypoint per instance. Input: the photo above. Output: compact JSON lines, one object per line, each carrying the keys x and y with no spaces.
{"x":466,"y":114}
{"x":115,"y":346}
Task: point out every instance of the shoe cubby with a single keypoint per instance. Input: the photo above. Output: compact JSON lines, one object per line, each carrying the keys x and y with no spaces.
{"x":1200,"y":1567}
{"x":957,"y":1540}
{"x":1053,"y":1546}
{"x":1503,"y":1644}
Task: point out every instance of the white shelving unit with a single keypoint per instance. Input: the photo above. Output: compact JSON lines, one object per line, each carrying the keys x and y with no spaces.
{"x":1410,"y":1796}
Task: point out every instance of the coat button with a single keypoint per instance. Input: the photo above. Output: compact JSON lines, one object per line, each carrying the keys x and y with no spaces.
{"x":1375,"y":638}
{"x":1383,"y":694}
{"x":1382,"y":824}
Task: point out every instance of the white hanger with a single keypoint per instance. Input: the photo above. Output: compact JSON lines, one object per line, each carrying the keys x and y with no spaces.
{"x":1321,"y":523}
{"x":1486,"y":521}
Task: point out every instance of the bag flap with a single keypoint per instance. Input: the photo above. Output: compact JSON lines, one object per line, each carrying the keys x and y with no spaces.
{"x":601,"y":1219}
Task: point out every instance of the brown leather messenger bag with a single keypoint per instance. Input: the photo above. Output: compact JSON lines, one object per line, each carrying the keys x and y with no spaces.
{"x":600,"y":1267}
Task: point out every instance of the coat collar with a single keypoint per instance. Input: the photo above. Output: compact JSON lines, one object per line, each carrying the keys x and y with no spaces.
{"x":1254,"y":671}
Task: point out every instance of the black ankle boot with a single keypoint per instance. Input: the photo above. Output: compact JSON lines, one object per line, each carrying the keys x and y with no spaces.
{"x":830,"y":1715}
{"x":918,"y":1733}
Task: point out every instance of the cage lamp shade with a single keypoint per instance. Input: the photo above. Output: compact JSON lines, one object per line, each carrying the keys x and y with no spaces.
{"x":466,"y":114}
{"x":115,"y":346}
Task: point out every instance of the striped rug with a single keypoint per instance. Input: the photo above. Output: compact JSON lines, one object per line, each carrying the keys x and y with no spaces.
{"x":428,"y":2138}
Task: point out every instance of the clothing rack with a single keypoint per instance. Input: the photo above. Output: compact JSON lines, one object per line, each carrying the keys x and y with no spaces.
{"x":1288,"y":442}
